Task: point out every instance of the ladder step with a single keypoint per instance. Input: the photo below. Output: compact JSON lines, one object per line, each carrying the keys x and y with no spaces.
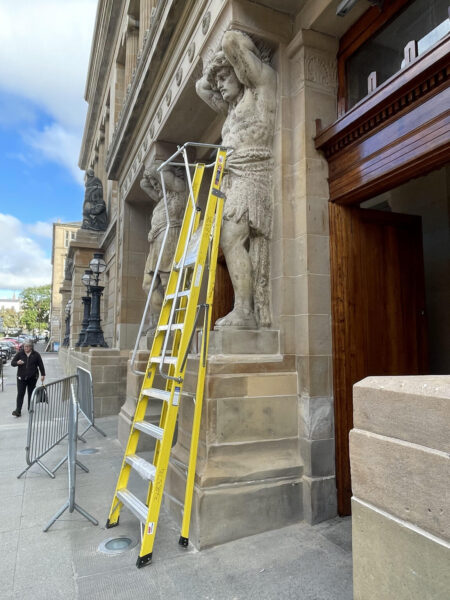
{"x":189,"y":262}
{"x":150,"y":429}
{"x":133,"y":504}
{"x":145,"y":469}
{"x":158,"y":394}
{"x":176,"y":326}
{"x":179,"y":295}
{"x":169,"y":360}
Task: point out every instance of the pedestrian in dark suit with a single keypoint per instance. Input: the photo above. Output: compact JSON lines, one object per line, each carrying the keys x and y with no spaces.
{"x":28,"y":362}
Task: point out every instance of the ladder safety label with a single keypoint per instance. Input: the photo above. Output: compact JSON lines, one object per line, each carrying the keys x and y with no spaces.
{"x":199,"y":276}
{"x":219,"y":169}
{"x":150,"y":528}
{"x":176,"y":396}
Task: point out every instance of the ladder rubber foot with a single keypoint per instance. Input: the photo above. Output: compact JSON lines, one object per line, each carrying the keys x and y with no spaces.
{"x":111,"y":525}
{"x":142,"y":561}
{"x":183,"y":541}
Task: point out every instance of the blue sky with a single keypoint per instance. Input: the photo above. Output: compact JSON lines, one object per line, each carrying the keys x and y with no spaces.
{"x":44,"y":45}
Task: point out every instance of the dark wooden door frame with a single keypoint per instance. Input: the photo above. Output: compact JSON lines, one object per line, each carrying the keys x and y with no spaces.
{"x":399,"y":132}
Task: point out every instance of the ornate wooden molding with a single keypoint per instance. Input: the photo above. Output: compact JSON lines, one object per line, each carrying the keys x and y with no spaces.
{"x":401,"y":130}
{"x":410,"y":86}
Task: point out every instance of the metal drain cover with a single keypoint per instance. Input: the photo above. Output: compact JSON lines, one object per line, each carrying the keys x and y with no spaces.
{"x":116,"y":545}
{"x":88,"y":451}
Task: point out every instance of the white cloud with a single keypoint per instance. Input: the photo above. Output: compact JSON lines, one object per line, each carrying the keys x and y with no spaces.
{"x":41,"y":229}
{"x":57,"y":144}
{"x":23,"y":262}
{"x":45,"y":45}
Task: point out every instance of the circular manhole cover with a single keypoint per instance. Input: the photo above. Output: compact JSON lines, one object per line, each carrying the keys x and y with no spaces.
{"x":88,"y":451}
{"x":116,"y":545}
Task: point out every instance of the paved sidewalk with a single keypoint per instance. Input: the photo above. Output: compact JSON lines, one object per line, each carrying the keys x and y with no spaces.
{"x":297,"y":562}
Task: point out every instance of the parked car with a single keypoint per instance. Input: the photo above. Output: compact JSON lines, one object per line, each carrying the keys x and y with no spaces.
{"x":6,"y":347}
{"x":11,"y":346}
{"x":16,"y":343}
{"x":4,"y":354}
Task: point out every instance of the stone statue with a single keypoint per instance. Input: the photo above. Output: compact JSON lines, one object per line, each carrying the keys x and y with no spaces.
{"x":176,"y":200}
{"x":68,"y":269}
{"x":239,"y":83}
{"x":94,"y":207}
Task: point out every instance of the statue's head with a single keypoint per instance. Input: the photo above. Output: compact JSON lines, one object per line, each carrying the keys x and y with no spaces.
{"x":173,"y":178}
{"x":222,"y":77}
{"x":90,"y":173}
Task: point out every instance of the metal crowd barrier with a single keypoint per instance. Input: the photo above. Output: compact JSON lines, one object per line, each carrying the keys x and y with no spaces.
{"x":86,"y":399}
{"x":48,"y":422}
{"x":71,"y":505}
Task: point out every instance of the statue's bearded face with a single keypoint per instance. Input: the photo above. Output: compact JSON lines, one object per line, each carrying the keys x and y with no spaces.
{"x":228,"y":84}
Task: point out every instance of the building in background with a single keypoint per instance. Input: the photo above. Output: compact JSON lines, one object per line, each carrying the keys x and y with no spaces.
{"x":63,"y":234}
{"x":13,"y":303}
{"x":360,"y":171}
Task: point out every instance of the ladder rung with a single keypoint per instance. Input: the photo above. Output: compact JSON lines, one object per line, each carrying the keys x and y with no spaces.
{"x":150,"y":429}
{"x":145,"y":469}
{"x":172,"y":327}
{"x":158,"y":394}
{"x":189,"y":262}
{"x":179,"y":295}
{"x":170,"y":360}
{"x":133,"y":504}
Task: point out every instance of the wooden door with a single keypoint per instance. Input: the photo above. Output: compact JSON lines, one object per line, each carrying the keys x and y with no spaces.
{"x":378,"y":310}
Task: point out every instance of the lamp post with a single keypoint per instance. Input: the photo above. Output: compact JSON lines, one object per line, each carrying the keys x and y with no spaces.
{"x":66,"y":340}
{"x":86,"y":279}
{"x":94,"y":333}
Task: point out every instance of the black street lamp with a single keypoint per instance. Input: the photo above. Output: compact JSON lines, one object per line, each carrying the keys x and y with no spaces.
{"x":94,"y":333}
{"x":86,"y":279}
{"x":66,"y":340}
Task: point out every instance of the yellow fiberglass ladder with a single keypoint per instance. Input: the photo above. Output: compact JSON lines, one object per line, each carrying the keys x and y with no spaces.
{"x":198,"y":242}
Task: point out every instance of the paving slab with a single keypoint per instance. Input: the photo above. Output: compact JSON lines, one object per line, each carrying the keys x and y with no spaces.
{"x":298,"y":562}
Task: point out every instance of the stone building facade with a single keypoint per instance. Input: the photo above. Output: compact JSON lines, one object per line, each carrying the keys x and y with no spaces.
{"x":63,"y":234}
{"x":268,"y":433}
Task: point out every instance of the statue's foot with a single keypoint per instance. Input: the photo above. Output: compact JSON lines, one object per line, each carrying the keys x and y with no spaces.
{"x":238,"y":317}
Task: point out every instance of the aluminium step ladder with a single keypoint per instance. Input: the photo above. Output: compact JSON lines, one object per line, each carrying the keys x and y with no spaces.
{"x":176,"y":328}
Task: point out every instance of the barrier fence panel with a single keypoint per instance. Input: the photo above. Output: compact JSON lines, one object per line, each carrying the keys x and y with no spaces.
{"x":71,"y":505}
{"x":86,"y":399}
{"x":48,"y":421}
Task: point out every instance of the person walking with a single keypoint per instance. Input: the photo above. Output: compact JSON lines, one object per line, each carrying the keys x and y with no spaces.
{"x":28,"y":362}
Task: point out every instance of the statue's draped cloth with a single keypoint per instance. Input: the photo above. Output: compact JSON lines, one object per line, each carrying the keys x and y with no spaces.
{"x":176,"y":207}
{"x":248,"y":190}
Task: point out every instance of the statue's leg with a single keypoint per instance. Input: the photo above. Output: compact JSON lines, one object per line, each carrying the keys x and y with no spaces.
{"x":234,"y":238}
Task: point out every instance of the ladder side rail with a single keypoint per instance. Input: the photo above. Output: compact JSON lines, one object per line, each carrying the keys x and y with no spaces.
{"x":180,"y":263}
{"x":200,"y":388}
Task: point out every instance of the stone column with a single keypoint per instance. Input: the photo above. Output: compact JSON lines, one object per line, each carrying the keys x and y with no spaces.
{"x":145,"y":12}
{"x":131,"y":50}
{"x":310,"y":95}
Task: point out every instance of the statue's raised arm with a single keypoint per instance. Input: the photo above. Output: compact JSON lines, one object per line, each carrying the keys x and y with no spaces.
{"x":243,"y":55}
{"x":211,"y":96}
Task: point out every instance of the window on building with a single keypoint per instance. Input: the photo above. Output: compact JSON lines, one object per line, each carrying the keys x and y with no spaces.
{"x":422,"y":21}
{"x":68,"y":235}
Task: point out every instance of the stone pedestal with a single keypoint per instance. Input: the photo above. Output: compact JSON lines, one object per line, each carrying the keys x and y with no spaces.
{"x":248,"y":477}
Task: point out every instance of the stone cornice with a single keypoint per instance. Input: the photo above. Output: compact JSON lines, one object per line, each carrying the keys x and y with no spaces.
{"x":106,"y":28}
{"x":156,"y":41}
{"x":425,"y":76}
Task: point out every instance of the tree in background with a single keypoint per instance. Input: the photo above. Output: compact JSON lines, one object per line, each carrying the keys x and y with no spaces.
{"x":36,"y":307}
{"x":11,"y":319}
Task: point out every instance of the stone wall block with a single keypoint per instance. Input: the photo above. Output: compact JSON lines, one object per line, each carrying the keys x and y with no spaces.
{"x":393,"y":560}
{"x":317,"y":457}
{"x":316,"y":418}
{"x":408,"y":480}
{"x":319,"y":499}
{"x":395,"y":407}
{"x":256,"y":418}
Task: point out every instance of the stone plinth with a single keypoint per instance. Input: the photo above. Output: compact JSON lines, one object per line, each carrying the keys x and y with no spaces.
{"x":249,"y":475}
{"x":400,"y":463}
{"x":108,"y":369}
